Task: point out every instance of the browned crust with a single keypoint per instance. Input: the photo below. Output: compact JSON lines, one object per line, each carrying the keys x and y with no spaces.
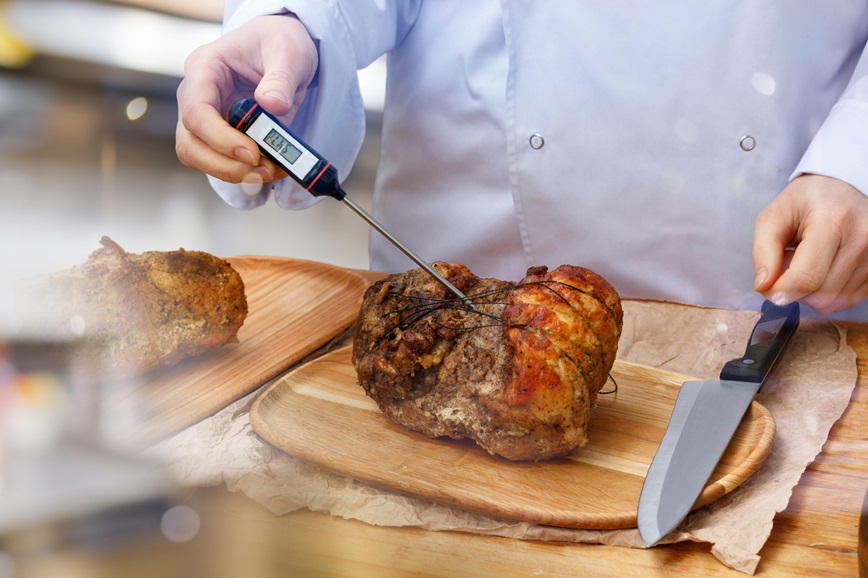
{"x":518,"y":373}
{"x":135,"y":313}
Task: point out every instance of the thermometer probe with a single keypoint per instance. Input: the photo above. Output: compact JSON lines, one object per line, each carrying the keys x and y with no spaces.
{"x":310,"y":170}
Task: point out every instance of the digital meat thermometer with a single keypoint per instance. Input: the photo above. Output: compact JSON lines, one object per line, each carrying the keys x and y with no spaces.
{"x":309,"y":169}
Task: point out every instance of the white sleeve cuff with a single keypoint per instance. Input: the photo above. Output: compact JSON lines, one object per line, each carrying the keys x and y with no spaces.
{"x":244,"y":197}
{"x":840,"y":148}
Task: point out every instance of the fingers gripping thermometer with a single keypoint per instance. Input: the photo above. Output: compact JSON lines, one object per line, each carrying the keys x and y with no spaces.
{"x":310,"y":170}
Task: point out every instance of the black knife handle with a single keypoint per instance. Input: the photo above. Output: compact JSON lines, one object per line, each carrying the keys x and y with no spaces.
{"x":769,"y":338}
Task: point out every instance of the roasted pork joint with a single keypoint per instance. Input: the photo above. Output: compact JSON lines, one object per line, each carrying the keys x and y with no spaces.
{"x":134,"y":313}
{"x":518,"y":372}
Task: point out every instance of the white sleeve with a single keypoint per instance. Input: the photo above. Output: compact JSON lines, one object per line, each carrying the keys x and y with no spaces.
{"x":840,"y":147}
{"x":349,"y":35}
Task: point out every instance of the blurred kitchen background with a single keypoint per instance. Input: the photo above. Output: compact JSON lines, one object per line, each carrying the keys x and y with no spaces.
{"x":87,"y":123}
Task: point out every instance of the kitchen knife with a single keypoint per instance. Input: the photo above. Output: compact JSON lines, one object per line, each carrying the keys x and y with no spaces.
{"x":704,"y":419}
{"x":309,"y":169}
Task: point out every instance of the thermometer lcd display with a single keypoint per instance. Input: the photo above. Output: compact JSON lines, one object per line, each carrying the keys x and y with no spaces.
{"x":283,"y":147}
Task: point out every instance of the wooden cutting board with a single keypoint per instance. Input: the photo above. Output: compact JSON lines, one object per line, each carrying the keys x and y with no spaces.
{"x":319,"y":413}
{"x":294,"y":308}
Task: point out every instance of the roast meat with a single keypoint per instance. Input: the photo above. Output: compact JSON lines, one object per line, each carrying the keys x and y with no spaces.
{"x":129,"y":314}
{"x":517,"y":369}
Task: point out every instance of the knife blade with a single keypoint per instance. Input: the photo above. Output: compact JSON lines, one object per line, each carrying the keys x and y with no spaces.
{"x":704,"y":419}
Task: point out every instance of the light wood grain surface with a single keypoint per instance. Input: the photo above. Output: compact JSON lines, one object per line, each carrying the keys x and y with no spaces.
{"x":307,"y":414}
{"x":295,"y":307}
{"x":815,"y":536}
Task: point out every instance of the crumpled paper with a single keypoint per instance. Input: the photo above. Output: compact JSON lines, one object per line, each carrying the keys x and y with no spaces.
{"x":807,"y":393}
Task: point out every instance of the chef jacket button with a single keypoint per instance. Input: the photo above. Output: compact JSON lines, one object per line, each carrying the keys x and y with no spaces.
{"x":747,"y":143}
{"x":536,"y":141}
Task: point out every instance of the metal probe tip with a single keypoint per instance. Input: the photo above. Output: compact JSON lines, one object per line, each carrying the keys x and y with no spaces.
{"x":406,"y":250}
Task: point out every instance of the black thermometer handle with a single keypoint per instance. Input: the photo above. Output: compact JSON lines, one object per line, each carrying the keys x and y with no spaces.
{"x":320,"y":180}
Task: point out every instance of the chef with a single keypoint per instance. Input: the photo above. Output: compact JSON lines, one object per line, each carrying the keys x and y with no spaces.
{"x":709,"y":153}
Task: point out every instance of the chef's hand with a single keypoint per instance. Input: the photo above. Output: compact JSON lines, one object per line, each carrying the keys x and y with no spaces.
{"x":825,"y":223}
{"x":271,"y":57}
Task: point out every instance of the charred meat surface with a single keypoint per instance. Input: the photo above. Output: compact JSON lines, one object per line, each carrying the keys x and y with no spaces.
{"x":518,"y":372}
{"x":133,"y":313}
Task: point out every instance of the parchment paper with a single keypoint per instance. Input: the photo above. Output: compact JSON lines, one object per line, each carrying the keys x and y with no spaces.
{"x":809,"y":391}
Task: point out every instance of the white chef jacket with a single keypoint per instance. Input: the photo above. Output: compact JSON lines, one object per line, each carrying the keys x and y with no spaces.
{"x":638,"y":139}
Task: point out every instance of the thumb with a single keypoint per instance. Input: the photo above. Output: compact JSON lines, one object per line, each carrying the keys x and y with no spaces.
{"x":289,"y":63}
{"x":774,"y":231}
{"x":274,"y":90}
